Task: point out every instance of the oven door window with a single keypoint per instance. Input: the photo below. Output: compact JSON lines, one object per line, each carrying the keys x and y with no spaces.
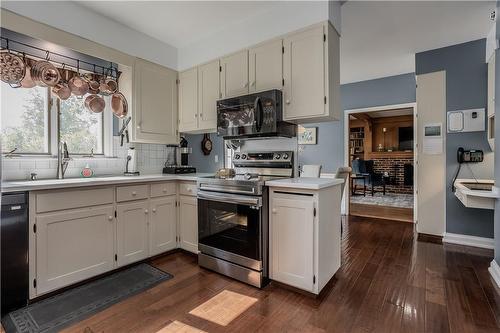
{"x":230,"y":227}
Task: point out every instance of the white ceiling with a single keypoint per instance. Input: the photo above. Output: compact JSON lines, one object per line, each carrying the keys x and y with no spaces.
{"x":379,"y":38}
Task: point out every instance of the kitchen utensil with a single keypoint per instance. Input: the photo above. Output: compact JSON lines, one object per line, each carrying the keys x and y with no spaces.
{"x":119,"y":105}
{"x":124,"y":130}
{"x":206,"y":144}
{"x":93,"y":83}
{"x":108,"y":86}
{"x":62,"y":91}
{"x":78,"y":85}
{"x":27,"y":81}
{"x":45,"y":74}
{"x":12,"y":68}
{"x":95,"y":103}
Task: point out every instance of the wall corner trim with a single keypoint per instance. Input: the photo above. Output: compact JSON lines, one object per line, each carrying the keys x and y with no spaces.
{"x":482,"y":242}
{"x":494,"y":270}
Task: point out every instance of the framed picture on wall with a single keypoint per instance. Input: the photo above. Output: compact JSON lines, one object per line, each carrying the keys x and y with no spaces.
{"x":307,"y":135}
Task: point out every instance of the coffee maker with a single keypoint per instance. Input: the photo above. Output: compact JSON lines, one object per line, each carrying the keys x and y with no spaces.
{"x":177,"y":153}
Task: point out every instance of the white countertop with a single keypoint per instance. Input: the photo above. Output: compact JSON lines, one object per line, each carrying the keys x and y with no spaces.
{"x":305,"y":183}
{"x":48,"y":184}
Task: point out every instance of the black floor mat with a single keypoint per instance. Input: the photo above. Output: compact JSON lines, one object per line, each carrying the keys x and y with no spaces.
{"x":74,"y":305}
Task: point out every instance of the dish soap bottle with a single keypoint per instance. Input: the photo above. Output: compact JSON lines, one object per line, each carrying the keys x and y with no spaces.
{"x":87,"y":171}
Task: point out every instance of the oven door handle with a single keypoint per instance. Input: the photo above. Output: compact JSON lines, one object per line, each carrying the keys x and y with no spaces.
{"x":231,"y":198}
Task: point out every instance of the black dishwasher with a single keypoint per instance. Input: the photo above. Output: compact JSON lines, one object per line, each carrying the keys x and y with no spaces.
{"x":14,"y":245}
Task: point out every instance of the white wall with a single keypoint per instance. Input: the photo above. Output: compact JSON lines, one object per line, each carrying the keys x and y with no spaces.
{"x":275,"y":22}
{"x":70,"y":17}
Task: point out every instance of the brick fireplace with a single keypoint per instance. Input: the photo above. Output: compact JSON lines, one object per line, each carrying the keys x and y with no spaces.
{"x":400,"y":171}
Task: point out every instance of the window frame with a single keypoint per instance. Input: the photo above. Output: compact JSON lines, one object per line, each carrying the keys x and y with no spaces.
{"x":53,"y":122}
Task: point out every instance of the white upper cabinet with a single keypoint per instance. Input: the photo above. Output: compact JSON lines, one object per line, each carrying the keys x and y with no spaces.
{"x":265,"y":66}
{"x":234,"y":74}
{"x":188,"y":100}
{"x":154,"y":115}
{"x":311,"y":89}
{"x":208,"y":94}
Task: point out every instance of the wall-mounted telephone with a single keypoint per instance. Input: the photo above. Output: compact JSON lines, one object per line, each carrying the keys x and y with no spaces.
{"x":469,"y":156}
{"x":466,"y":156}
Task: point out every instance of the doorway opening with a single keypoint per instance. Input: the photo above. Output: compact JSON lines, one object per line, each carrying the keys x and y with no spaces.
{"x":381,"y":150}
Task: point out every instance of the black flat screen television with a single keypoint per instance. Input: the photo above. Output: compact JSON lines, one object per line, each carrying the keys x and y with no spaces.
{"x":405,"y":138}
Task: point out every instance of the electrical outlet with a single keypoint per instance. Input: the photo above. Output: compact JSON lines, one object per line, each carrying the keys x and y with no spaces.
{"x":216,"y":158}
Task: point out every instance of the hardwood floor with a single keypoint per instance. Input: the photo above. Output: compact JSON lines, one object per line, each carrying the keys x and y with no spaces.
{"x":382,"y":212}
{"x":388,"y":282}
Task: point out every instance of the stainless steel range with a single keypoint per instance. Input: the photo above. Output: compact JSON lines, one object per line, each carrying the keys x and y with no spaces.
{"x":233,"y":216}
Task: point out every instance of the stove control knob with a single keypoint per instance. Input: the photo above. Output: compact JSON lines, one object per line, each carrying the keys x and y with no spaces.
{"x":285,"y":156}
{"x":236,"y":156}
{"x":277,"y":156}
{"x":244,"y":156}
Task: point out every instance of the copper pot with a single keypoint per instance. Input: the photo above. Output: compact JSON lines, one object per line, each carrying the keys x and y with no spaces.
{"x":108,"y":86}
{"x":45,"y":74}
{"x":119,"y":105}
{"x":27,"y":81}
{"x":12,"y":68}
{"x":62,"y":91}
{"x":95,"y":103}
{"x":78,"y":85}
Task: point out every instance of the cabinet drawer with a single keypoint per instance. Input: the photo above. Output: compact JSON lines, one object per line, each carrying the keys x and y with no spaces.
{"x":162,"y":189}
{"x":187,"y":189}
{"x":134,"y":192}
{"x":48,"y":201}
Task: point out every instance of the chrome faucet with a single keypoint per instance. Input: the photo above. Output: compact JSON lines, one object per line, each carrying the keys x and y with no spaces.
{"x":62,"y":159}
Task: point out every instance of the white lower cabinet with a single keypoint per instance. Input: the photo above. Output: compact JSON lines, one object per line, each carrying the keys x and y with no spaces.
{"x":162,"y":225}
{"x":73,"y":245}
{"x":292,"y":231}
{"x":188,"y":223}
{"x":132,"y":232}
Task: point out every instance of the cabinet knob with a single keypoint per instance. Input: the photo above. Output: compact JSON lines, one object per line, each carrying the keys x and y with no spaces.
{"x":110,"y":218}
{"x":164,"y":190}
{"x":190,"y":189}
{"x":201,"y":115}
{"x":195,"y":115}
{"x":245,"y":85}
{"x":134,"y":193}
{"x":287,"y":101}
{"x":252,"y":83}
{"x":154,"y":210}
{"x":274,"y":211}
{"x":146,"y":211}
{"x":138,"y":127}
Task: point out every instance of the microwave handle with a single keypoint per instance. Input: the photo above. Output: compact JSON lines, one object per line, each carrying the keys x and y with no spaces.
{"x":259,"y":113}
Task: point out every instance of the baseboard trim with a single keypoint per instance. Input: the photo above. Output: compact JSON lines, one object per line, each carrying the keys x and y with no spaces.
{"x":428,"y":238}
{"x":482,"y":242}
{"x":494,"y":270}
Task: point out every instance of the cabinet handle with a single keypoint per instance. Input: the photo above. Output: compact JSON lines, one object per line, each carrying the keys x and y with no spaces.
{"x":146,"y":211}
{"x":287,"y":101}
{"x":274,"y":211}
{"x":154,"y":210}
{"x":195,"y":116}
{"x":245,"y":85}
{"x":134,"y":193}
{"x":201,"y":115}
{"x":252,"y":83}
{"x":110,"y":218}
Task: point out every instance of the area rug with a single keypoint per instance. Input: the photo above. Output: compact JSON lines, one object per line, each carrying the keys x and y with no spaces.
{"x":389,"y":199}
{"x":74,"y":305}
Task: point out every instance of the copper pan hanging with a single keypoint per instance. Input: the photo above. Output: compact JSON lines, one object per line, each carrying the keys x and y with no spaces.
{"x":78,"y":85}
{"x":27,"y":81}
{"x":12,"y":68}
{"x":61,"y":89}
{"x":119,"y":105}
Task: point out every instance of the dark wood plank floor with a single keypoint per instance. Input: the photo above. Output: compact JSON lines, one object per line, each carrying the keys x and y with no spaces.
{"x":388,"y":282}
{"x":382,"y":212}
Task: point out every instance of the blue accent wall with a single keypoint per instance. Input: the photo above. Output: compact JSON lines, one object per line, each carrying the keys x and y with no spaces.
{"x":205,"y":163}
{"x":466,"y":88}
{"x":329,"y":152}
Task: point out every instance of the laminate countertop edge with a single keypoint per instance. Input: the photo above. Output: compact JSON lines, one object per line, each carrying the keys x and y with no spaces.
{"x":50,"y":184}
{"x":305,"y":183}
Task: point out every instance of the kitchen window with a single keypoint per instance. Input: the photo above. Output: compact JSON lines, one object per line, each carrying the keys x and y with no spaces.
{"x":29,"y":124}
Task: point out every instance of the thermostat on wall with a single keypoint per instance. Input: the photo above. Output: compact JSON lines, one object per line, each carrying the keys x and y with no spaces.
{"x":466,"y":121}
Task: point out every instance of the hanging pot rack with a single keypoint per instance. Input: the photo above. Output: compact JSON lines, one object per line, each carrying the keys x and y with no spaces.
{"x":75,"y":63}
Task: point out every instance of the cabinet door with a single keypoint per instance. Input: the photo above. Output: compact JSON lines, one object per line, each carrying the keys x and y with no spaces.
{"x":234,"y":74}
{"x":292,"y":240}
{"x":188,"y":100}
{"x":304,"y":73}
{"x":155,"y":99}
{"x":266,"y":66}
{"x":162,"y":225}
{"x":132,"y":232}
{"x":188,"y":223}
{"x":73,"y":245}
{"x":208,"y":94}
